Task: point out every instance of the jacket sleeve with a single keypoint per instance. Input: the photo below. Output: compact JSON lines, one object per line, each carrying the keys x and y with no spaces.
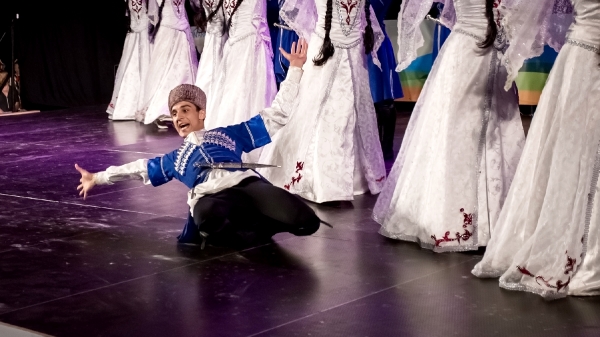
{"x":278,"y":114}
{"x":155,"y":171}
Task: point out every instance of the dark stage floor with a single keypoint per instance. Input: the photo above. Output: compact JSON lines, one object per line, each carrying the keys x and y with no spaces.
{"x":110,"y":266}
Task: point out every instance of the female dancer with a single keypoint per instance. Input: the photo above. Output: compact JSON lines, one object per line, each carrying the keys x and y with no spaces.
{"x":245,"y":82}
{"x":464,"y":138}
{"x":547,"y":240}
{"x":330,"y":150}
{"x":131,"y":73}
{"x":173,"y":58}
{"x":212,"y":54}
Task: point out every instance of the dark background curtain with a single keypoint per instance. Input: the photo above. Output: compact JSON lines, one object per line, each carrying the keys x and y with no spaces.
{"x":67,"y":50}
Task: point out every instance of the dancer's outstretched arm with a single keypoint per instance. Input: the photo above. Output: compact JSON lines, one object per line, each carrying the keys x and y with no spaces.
{"x":278,"y":114}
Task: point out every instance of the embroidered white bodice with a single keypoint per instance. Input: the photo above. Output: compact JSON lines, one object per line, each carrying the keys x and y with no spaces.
{"x":174,"y":15}
{"x":346,"y":22}
{"x":249,"y":18}
{"x":586,"y":28}
{"x":470,"y":16}
{"x":216,"y":25}
{"x":138,"y":15}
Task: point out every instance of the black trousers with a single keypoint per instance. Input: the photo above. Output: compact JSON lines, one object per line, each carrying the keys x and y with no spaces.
{"x":251,"y":210}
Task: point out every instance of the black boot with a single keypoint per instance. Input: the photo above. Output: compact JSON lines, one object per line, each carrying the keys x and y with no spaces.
{"x":389,"y":129}
{"x":386,"y":125}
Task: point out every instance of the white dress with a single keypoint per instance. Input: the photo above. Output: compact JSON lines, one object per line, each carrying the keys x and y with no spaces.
{"x":133,"y":66}
{"x":212,"y":53}
{"x":547,"y":239}
{"x":173,"y":61}
{"x":330,"y":150}
{"x":461,"y":147}
{"x":244,"y":83}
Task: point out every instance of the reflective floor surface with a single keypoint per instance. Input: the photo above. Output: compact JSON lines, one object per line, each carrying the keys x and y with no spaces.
{"x":110,"y":265}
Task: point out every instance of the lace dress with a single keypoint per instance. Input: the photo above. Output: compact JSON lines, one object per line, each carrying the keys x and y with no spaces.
{"x":173,"y":61}
{"x":462,"y":144}
{"x":134,"y":64}
{"x":547,"y":239}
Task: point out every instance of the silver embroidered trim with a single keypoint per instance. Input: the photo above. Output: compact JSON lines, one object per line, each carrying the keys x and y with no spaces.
{"x":342,"y":45}
{"x":184,"y":157}
{"x":585,"y":46}
{"x":180,"y":154}
{"x":205,"y":155}
{"x":162,"y":169}
{"x":219,"y":138}
{"x":547,"y":294}
{"x":427,"y":245}
{"x":347,"y":29}
{"x":250,"y":133}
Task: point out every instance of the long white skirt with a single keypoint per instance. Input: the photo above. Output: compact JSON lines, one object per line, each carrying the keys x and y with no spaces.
{"x":131,"y":75}
{"x":330,"y":148}
{"x":458,"y":156}
{"x":173,"y":62}
{"x":245,"y":83}
{"x":549,"y":224}
{"x":208,"y":68}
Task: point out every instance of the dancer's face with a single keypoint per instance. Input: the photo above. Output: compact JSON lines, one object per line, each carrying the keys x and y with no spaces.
{"x":187,"y":117}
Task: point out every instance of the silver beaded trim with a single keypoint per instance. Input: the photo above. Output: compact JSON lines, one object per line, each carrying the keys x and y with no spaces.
{"x":590,"y":206}
{"x":464,"y":32}
{"x":547,"y":294}
{"x":342,"y":45}
{"x":427,"y":245}
{"x":585,"y":46}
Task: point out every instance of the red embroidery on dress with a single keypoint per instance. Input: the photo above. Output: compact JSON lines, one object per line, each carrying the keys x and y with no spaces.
{"x":210,"y":3}
{"x":176,"y":3}
{"x":380,"y":179}
{"x":136,"y":6}
{"x":296,"y":179}
{"x":229,"y":5}
{"x":467,"y":221}
{"x":559,"y":284}
{"x":348,"y":5}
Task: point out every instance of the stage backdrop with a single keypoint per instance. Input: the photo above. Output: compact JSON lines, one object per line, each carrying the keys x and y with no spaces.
{"x":68,"y":50}
{"x":531,"y":80}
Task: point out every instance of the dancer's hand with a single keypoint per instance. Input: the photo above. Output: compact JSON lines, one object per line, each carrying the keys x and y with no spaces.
{"x":297,"y":55}
{"x":87,"y":181}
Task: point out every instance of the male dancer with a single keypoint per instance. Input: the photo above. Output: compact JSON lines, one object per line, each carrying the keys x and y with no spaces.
{"x":225,"y":204}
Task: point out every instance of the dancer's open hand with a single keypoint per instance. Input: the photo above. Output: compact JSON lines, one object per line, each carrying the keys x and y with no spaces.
{"x":297,"y":55}
{"x":87,"y":181}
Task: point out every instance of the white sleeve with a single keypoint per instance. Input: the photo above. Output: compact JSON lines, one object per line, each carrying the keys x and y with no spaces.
{"x":137,"y":170}
{"x":278,"y":114}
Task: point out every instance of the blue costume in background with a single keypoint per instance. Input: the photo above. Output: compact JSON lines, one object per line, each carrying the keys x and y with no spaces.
{"x":281,"y":38}
{"x":385,"y":84}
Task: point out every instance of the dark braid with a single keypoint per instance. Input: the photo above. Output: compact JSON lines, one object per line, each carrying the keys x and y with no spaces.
{"x":201,"y":19}
{"x":212,"y":14}
{"x":327,"y":48}
{"x":368,"y":36}
{"x":492,"y":30}
{"x":154,"y":29}
{"x":227,"y":23}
